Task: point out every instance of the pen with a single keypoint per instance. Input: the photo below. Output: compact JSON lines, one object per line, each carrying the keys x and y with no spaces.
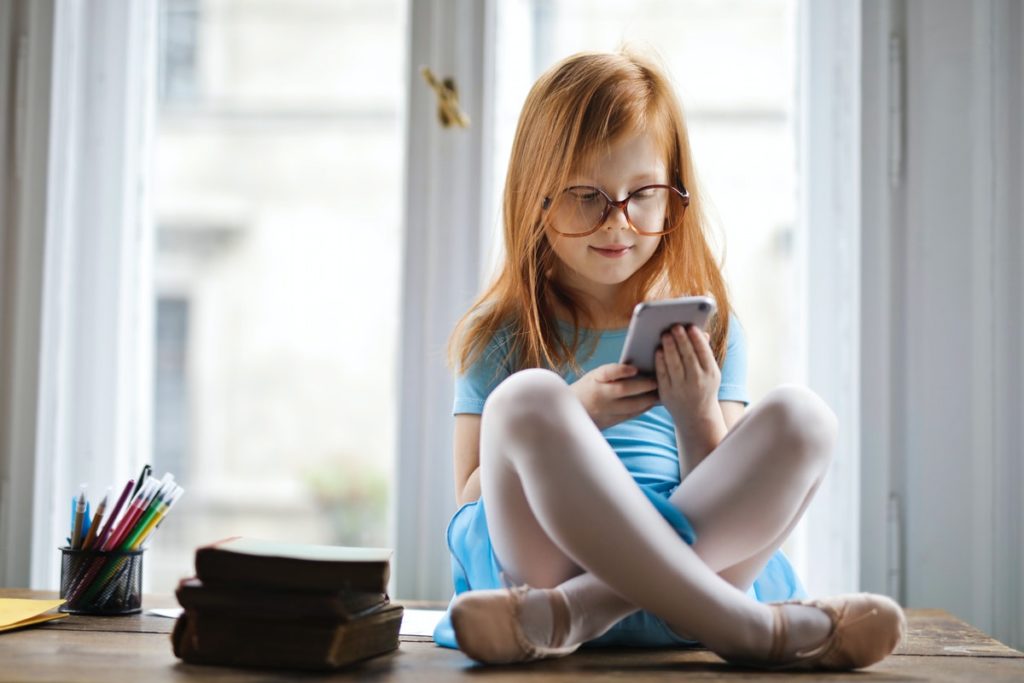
{"x":135,"y":510}
{"x":76,"y":530}
{"x":101,"y":539}
{"x":171,"y":492}
{"x":95,"y":524}
{"x":151,"y":517}
{"x":143,"y":518}
{"x":112,"y":541}
{"x":146,"y":471}
{"x":159,"y":518}
{"x":128,"y":517}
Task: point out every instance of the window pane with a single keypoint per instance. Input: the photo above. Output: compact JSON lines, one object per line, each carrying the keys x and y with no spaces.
{"x":278,"y":200}
{"x":731,"y":63}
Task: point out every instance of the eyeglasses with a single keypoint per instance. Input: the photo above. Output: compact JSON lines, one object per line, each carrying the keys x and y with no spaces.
{"x":580,"y":210}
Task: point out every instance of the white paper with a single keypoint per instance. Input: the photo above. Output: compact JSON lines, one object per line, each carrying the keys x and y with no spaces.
{"x":420,"y":622}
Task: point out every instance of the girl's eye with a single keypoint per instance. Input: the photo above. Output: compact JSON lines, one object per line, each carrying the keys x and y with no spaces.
{"x":584,"y":195}
{"x":645,"y":194}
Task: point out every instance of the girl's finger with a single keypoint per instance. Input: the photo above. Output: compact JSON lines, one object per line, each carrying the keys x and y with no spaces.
{"x":673,"y":361}
{"x":614,"y":371}
{"x":703,"y":348}
{"x":637,"y":385}
{"x":636,"y":405}
{"x":689,"y":356}
{"x":660,"y":371}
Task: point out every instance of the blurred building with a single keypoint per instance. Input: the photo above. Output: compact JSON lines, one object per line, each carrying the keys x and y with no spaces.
{"x":277,"y":199}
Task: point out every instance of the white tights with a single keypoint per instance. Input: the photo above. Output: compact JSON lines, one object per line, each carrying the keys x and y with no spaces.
{"x":563,"y":511}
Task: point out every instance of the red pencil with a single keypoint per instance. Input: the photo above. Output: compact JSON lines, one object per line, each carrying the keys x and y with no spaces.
{"x":90,"y":569}
{"x":98,"y":543}
{"x":135,"y":510}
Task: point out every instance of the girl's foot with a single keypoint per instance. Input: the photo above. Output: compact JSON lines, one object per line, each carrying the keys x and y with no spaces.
{"x":510,"y":624}
{"x":865,"y":629}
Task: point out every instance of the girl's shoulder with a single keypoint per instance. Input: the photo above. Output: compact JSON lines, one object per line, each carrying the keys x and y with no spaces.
{"x":497,"y":350}
{"x":737,"y":336}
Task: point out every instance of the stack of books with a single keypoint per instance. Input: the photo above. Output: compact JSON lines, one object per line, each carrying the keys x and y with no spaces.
{"x":283,"y":605}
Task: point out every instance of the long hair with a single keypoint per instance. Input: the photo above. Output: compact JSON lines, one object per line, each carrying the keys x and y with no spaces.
{"x":576,"y":110}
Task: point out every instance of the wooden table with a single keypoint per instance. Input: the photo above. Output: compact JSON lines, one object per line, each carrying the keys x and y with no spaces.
{"x":137,"y":649}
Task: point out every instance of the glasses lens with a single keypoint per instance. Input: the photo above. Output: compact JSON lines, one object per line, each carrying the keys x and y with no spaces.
{"x":652,"y":210}
{"x":578,"y":210}
{"x":655,"y":209}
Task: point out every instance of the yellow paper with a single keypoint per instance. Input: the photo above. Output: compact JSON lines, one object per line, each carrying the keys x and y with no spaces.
{"x":19,"y":612}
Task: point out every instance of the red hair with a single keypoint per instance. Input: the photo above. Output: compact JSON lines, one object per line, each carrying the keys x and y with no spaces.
{"x":574,"y":111}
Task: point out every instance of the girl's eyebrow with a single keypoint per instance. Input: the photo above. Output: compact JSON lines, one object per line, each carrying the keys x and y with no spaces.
{"x":647,"y":177}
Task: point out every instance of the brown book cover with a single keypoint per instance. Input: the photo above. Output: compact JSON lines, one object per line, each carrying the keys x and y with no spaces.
{"x":240,"y":561}
{"x":201,"y":638}
{"x":260,"y":602}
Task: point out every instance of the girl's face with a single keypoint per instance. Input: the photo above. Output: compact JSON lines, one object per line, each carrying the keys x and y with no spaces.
{"x":598,"y":263}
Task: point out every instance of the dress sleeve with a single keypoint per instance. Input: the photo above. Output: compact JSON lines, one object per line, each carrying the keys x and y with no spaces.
{"x":734,"y":370}
{"x":474,"y":386}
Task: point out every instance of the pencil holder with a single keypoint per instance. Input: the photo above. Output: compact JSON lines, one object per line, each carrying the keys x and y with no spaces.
{"x":101,"y":582}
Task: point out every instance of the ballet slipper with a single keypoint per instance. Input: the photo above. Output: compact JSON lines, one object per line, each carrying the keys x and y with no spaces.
{"x":487,"y":628}
{"x":866,"y":628}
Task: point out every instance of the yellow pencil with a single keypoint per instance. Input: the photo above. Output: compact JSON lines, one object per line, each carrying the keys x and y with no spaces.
{"x":157,"y":518}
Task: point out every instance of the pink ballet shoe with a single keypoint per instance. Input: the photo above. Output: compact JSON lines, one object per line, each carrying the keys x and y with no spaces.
{"x":866,"y":628}
{"x":487,"y":629}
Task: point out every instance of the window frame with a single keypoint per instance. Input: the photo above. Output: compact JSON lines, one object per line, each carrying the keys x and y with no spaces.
{"x":446,"y":254}
{"x":828,"y":236}
{"x":82,"y":329}
{"x":447,"y":216}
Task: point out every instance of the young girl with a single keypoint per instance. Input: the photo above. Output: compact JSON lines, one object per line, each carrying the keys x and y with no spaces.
{"x":627,"y":510}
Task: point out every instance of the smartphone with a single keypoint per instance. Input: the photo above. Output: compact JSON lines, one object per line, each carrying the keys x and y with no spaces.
{"x":652,"y":318}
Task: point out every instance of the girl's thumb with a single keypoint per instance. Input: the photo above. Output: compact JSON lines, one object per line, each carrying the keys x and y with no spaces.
{"x":626,"y":370}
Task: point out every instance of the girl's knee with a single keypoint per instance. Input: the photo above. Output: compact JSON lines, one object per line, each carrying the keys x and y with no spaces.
{"x":802,"y":418}
{"x":526,"y":398}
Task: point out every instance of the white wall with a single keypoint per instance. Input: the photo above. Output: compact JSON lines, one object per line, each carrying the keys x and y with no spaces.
{"x":26,"y":33}
{"x":943,"y":309}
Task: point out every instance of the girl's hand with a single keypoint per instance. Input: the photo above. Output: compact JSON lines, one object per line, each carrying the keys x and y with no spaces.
{"x":612,"y":394}
{"x":687,"y":374}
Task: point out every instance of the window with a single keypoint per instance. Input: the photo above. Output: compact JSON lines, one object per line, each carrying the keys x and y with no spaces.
{"x":278,"y":244}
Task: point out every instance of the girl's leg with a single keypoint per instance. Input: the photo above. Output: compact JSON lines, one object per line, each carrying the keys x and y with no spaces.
{"x":595,"y":608}
{"x":744,"y":499}
{"x":541,"y":454}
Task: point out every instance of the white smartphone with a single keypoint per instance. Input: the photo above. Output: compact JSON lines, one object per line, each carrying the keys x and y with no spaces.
{"x":652,"y":318}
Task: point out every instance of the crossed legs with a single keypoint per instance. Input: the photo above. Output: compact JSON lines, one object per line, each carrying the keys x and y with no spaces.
{"x":564,"y":512}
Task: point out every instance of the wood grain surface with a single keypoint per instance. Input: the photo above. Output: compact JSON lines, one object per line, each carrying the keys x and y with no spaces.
{"x":137,"y":648}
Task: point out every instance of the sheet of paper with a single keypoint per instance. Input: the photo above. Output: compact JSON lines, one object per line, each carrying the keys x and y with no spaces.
{"x":20,"y":612}
{"x":169,"y":612}
{"x":420,"y":622}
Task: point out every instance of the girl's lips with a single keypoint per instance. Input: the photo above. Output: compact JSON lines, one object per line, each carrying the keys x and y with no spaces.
{"x":612,"y":253}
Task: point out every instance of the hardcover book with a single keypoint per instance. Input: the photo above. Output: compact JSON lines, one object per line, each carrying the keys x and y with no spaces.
{"x":238,"y":561}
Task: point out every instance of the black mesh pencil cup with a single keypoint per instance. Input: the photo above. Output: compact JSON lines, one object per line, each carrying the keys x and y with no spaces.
{"x":101,"y":582}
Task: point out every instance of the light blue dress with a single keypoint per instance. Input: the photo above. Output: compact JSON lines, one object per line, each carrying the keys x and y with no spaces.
{"x":646,"y":445}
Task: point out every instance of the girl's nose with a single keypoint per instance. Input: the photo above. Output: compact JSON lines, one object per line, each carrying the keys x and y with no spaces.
{"x":616,"y":218}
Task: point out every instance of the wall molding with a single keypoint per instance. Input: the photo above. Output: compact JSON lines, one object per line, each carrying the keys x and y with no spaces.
{"x":28,"y":42}
{"x":829,"y":249}
{"x":944,"y":323}
{"x":447,"y":173}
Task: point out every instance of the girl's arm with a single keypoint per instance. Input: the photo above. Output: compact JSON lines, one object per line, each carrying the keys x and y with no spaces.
{"x":466,"y":444}
{"x":698,"y":440}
